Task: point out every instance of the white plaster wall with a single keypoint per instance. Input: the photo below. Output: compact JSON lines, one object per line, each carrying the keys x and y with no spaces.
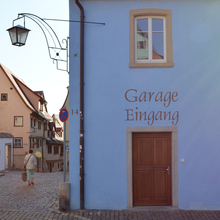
{"x":3,"y":142}
{"x":2,"y":154}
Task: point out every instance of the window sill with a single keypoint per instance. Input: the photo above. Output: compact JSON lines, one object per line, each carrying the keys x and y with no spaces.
{"x":151,"y":65}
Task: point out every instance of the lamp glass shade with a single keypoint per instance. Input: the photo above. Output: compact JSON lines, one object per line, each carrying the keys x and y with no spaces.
{"x":18,"y":35}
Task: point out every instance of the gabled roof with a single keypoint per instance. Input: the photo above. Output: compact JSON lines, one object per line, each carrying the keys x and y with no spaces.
{"x":18,"y":84}
{"x":45,"y":115}
{"x":41,"y":94}
{"x":5,"y":135}
{"x":57,"y":140}
{"x":54,"y":141}
{"x":51,"y":125}
{"x":12,"y":79}
{"x":67,"y":96}
{"x":56,"y":119}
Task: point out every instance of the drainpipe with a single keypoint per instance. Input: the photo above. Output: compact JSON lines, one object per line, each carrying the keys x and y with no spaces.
{"x":81,"y":104}
{"x":44,"y":140}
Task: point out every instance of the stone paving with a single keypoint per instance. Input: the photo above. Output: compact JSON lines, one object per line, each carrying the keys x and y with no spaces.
{"x":16,"y":194}
{"x":19,"y":201}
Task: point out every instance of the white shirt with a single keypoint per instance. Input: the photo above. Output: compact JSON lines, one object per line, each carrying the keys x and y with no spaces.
{"x":31,"y":162}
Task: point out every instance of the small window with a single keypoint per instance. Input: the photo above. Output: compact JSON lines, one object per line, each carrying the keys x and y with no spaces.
{"x":39,"y":125}
{"x":49,"y":149}
{"x":18,"y":142}
{"x":4,"y":97}
{"x":40,"y":106}
{"x":31,"y":143}
{"x":56,"y":149}
{"x":150,"y":38}
{"x":34,"y":122}
{"x":141,"y":44}
{"x":40,"y":143}
{"x":31,"y":122}
{"x":18,"y":121}
{"x":37,"y":145}
{"x":45,"y":126}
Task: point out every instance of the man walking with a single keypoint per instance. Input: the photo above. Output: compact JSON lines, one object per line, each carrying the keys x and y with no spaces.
{"x":30,"y":162}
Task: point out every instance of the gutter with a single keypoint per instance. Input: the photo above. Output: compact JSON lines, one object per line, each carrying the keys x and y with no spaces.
{"x":81,"y":104}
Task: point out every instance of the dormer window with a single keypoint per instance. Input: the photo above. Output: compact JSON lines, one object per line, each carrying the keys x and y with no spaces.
{"x":40,"y":106}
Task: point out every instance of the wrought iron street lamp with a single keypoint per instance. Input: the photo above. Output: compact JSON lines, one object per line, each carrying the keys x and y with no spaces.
{"x":57,"y":53}
{"x":18,"y":35}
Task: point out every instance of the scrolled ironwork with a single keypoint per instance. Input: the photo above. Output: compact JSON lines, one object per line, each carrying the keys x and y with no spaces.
{"x":53,"y":43}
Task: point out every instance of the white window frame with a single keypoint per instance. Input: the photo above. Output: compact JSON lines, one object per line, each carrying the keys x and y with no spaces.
{"x":21,"y":142}
{"x":168,"y":51}
{"x":150,"y":40}
{"x":140,"y":44}
{"x":40,"y":106}
{"x":18,"y":121}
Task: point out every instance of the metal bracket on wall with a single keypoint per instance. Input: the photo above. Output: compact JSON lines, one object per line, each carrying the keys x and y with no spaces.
{"x":58,"y":53}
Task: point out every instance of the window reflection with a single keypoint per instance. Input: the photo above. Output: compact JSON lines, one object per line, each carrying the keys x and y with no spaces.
{"x":158,"y":51}
{"x":150,"y":31}
{"x":157,"y":38}
{"x":142,"y":39}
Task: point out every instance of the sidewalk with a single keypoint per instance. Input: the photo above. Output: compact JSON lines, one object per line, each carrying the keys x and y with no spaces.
{"x":19,"y":201}
{"x":110,"y":215}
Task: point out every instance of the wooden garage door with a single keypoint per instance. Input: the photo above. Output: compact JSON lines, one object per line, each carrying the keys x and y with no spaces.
{"x":152,"y":168}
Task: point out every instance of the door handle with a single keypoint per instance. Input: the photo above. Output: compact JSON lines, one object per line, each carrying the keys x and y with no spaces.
{"x":168,"y":169}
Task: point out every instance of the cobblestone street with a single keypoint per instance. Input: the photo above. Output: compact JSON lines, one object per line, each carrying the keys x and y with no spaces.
{"x":17,"y":195}
{"x":19,"y":201}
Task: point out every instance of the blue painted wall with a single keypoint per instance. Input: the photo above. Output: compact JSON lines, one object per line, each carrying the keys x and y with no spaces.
{"x":195,"y":77}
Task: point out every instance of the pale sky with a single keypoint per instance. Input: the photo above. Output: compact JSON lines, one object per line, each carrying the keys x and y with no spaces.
{"x":31,"y":63}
